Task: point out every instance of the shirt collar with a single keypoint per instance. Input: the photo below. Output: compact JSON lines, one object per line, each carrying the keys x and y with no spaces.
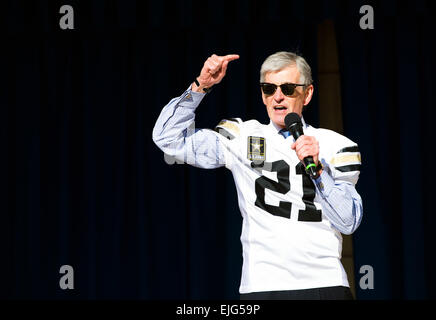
{"x":277,"y":129}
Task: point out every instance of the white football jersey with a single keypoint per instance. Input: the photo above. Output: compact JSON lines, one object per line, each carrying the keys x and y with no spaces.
{"x":288,"y":242}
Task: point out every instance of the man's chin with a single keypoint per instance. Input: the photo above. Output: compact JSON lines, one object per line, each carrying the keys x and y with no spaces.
{"x":280,"y":122}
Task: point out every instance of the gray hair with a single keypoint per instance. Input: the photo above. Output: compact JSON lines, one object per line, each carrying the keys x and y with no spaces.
{"x":283,"y":59}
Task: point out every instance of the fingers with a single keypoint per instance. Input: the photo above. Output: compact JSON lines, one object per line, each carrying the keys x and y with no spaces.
{"x":306,"y":152}
{"x":306,"y":146}
{"x":217,"y":63}
{"x":213,"y":65}
{"x":231,"y":57}
{"x":224,"y":67}
{"x":214,"y":69}
{"x":227,"y":59}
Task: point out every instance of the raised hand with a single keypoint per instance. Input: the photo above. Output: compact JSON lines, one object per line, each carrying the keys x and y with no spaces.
{"x":213,"y":71}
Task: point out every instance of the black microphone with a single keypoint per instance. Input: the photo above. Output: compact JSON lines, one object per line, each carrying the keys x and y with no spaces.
{"x":294,"y":125}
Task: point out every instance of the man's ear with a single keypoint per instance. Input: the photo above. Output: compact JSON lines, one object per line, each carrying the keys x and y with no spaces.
{"x":308,"y":94}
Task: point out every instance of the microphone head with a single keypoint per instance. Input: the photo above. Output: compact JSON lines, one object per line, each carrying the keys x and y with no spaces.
{"x":291,"y":119}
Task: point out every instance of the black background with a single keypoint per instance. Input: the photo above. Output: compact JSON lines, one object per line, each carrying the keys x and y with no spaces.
{"x":81,"y":182}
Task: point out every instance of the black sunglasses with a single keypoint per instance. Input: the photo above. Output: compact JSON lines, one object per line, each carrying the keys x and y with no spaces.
{"x":287,"y":88}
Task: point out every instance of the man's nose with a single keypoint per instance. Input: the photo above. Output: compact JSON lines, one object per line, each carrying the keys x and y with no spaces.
{"x":278,"y":95}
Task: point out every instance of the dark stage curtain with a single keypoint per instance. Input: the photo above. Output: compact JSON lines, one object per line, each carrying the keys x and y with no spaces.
{"x":388,"y":99}
{"x":82,"y":183}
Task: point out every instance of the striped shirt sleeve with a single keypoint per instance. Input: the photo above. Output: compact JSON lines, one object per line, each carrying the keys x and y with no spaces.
{"x":341,"y":202}
{"x":175,"y":134}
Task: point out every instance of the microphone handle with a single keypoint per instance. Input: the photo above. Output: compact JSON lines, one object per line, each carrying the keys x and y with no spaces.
{"x":296,"y":134}
{"x":310,"y":166}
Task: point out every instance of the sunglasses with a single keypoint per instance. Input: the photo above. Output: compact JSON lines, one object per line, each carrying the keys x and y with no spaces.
{"x":287,"y":88}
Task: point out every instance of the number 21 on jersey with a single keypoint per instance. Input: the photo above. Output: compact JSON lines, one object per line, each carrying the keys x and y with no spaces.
{"x":309,"y":214}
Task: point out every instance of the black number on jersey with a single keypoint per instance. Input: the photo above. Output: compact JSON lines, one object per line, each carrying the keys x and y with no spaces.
{"x":310,"y":213}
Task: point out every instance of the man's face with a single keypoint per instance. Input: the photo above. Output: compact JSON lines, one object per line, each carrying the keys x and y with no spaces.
{"x":278,"y":105}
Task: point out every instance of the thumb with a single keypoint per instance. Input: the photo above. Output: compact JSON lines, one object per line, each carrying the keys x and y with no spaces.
{"x":293,"y":146}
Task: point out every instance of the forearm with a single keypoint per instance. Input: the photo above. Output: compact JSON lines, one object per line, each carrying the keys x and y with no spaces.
{"x":176,"y":117}
{"x":175,"y":134}
{"x":341,"y":203}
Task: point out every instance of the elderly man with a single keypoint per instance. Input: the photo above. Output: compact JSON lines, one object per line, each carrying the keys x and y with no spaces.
{"x":292,"y":219}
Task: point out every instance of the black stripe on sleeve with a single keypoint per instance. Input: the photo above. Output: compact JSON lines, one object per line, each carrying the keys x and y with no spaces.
{"x":224,"y":132}
{"x":349,"y":149}
{"x":351,"y":167}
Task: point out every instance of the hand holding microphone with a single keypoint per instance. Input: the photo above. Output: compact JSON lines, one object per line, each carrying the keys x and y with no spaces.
{"x":306,"y":147}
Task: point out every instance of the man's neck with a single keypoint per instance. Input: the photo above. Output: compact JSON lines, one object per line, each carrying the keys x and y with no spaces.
{"x":278,"y":128}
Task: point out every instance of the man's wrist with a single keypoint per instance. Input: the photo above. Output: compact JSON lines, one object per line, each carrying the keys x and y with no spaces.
{"x":318,"y":169}
{"x":198,"y":87}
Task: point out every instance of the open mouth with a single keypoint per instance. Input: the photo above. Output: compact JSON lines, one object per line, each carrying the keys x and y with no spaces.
{"x":280,"y":108}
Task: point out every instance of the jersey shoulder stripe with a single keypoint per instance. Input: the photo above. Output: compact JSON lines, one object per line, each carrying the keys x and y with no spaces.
{"x":349,"y":149}
{"x":229,"y":128}
{"x":342,"y":153}
{"x":348,"y":168}
{"x":347,"y":159}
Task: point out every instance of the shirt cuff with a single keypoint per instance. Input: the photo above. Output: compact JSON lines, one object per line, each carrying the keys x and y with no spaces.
{"x":324,"y":183}
{"x":190,"y":99}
